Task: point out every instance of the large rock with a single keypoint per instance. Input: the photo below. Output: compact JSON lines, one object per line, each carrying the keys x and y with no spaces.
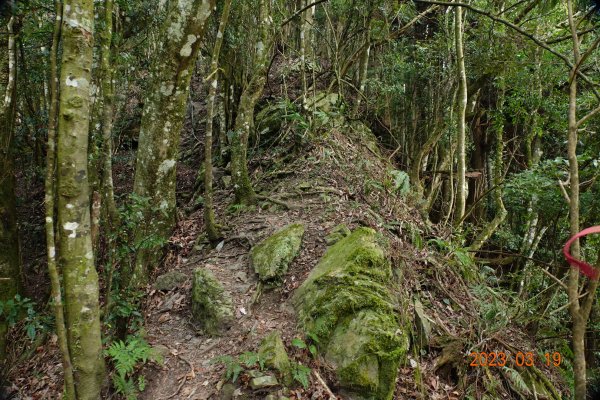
{"x":272,"y":351}
{"x":346,"y":305}
{"x":212,"y":306}
{"x":272,"y":257}
{"x":170,"y":280}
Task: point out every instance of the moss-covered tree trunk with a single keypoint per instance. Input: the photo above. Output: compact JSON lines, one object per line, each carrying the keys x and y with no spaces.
{"x":209,"y":212}
{"x":108,"y":196}
{"x":10,"y":266}
{"x":244,"y":122}
{"x":50,"y":195}
{"x":75,"y":253}
{"x":461,"y":191}
{"x":162,"y":120}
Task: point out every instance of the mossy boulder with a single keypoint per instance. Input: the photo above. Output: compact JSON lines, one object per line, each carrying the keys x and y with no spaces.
{"x":170,"y":280}
{"x":347,"y":306}
{"x":337,"y":234}
{"x":272,"y":351}
{"x":272,"y":257}
{"x":212,"y":307}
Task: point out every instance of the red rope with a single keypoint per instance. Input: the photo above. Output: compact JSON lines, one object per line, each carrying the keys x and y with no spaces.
{"x":585,"y":268}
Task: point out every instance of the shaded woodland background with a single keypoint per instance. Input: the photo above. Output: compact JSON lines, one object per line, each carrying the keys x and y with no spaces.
{"x":149,"y":149}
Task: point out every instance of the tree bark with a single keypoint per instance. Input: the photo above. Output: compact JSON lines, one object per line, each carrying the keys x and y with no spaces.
{"x":108,"y":195}
{"x":209,"y":211}
{"x":244,"y":122}
{"x":10,"y":264}
{"x":162,"y":120}
{"x":50,"y":193}
{"x":498,"y":169}
{"x":75,"y":252}
{"x":461,"y":191}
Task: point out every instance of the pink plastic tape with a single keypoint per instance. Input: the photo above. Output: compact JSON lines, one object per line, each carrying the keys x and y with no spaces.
{"x":585,"y":268}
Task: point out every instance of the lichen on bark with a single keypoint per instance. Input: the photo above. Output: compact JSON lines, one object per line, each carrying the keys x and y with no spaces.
{"x":162,"y":120}
{"x":75,"y":252}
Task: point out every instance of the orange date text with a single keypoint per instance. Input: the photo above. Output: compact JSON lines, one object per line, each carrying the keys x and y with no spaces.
{"x":520,"y":359}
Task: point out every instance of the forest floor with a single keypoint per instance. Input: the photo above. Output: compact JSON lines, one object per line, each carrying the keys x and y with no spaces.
{"x":341,"y":176}
{"x":321,"y":192}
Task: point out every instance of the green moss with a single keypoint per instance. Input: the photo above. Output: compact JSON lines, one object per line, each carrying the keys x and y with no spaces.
{"x":337,"y":234}
{"x":272,"y":257}
{"x":211,"y":305}
{"x":346,"y":306}
{"x":273,"y":352}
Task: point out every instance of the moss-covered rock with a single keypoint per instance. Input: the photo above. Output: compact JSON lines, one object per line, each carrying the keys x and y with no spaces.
{"x":272,"y":257}
{"x":272,"y":351}
{"x":346,"y":305}
{"x":170,"y":280}
{"x":212,"y":307}
{"x":337,"y":234}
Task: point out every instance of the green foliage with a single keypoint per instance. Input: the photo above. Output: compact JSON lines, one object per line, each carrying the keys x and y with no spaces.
{"x":124,"y":244}
{"x":516,"y":380}
{"x":23,"y":309}
{"x":126,"y":306}
{"x":301,"y":374}
{"x":401,"y":182}
{"x":237,"y":209}
{"x":301,"y":344}
{"x":235,"y":366}
{"x":126,"y":357}
{"x":458,"y":255}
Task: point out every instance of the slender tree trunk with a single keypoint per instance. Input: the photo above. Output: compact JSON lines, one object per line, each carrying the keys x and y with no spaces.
{"x":363,"y":66}
{"x":579,"y":310}
{"x":10,"y":264}
{"x":244,"y":122}
{"x":461,"y":191}
{"x":108,"y":195}
{"x":162,"y":120}
{"x":209,"y":211}
{"x":498,"y":169}
{"x":76,"y":257}
{"x":50,"y":192}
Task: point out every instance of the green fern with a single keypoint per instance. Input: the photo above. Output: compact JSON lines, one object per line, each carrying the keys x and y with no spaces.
{"x":126,"y":357}
{"x":516,"y":380}
{"x":301,"y":374}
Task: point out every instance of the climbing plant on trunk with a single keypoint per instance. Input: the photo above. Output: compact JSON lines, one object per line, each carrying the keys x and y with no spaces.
{"x":162,"y":120}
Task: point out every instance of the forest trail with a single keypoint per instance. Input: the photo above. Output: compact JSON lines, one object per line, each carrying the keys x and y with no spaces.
{"x":188,"y":370}
{"x":320,"y":191}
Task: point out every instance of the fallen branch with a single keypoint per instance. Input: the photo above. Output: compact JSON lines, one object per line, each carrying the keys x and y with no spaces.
{"x":288,"y":206}
{"x":322,"y":382}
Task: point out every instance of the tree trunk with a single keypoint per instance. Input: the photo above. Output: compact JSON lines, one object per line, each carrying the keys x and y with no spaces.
{"x":244,"y":122}
{"x":579,"y":311}
{"x":498,"y":169}
{"x":50,"y":193}
{"x":76,"y":257}
{"x":162,"y":120}
{"x":461,"y":191}
{"x":108,"y":195}
{"x":10,"y":264}
{"x":209,"y":211}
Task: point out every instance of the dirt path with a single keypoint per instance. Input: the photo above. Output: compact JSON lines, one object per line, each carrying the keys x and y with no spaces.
{"x":188,"y":372}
